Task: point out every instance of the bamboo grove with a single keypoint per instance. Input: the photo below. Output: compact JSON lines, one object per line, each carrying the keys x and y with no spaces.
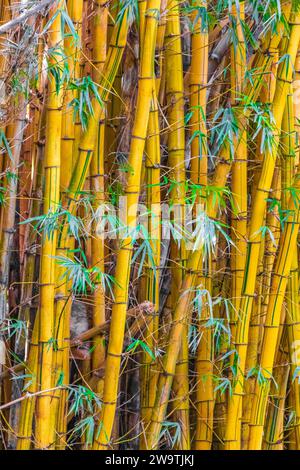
{"x":149,"y":224}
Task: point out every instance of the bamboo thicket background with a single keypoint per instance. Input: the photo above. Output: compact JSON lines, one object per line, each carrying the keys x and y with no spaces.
{"x":149,"y":221}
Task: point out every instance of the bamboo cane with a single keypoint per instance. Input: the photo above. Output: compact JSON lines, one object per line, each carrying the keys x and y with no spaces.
{"x":97,"y":183}
{"x":47,"y":269}
{"x":176,"y":150}
{"x":124,"y":256}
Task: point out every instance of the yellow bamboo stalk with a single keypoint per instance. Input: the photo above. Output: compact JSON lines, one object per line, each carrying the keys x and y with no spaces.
{"x":198,"y":78}
{"x":72,"y":51}
{"x":153,"y":196}
{"x":113,"y":105}
{"x":63,"y":300}
{"x":274,"y":435}
{"x":47,"y":267}
{"x":149,"y":370}
{"x":118,"y":320}
{"x":293,"y":314}
{"x":176,"y":158}
{"x":239,"y":165}
{"x":97,"y":174}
